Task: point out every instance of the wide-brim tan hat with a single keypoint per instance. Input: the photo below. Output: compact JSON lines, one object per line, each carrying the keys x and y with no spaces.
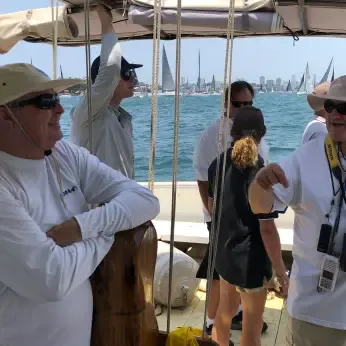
{"x":17,"y":80}
{"x":314,"y":99}
{"x":336,"y":91}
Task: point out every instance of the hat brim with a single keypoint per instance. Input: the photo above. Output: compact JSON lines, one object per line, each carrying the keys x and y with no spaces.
{"x":57,"y":85}
{"x":133,"y":66}
{"x":329,"y":97}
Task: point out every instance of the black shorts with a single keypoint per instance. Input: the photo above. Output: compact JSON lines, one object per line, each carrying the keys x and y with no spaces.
{"x":202,"y":271}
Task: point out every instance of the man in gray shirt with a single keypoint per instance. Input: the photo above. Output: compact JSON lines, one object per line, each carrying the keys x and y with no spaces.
{"x":113,"y":80}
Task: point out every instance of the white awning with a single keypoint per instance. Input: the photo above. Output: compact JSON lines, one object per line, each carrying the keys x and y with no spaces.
{"x":200,"y":18}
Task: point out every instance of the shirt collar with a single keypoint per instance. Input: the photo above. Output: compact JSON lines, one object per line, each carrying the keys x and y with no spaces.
{"x":321,"y":119}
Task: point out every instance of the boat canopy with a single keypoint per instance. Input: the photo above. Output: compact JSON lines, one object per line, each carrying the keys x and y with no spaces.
{"x":133,"y":19}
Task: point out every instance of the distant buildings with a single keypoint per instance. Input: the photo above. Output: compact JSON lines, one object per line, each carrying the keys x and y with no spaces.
{"x":270,"y":84}
{"x":278,"y":84}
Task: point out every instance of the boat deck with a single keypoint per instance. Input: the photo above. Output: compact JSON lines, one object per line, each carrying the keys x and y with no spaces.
{"x":275,"y":315}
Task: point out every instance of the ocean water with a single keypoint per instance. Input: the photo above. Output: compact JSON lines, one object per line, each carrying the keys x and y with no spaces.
{"x":286,"y":116}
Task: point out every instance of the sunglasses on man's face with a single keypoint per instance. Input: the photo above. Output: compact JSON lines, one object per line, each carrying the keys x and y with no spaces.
{"x":45,"y":101}
{"x":330,"y":105}
{"x":127,"y":75}
{"x":239,"y":104}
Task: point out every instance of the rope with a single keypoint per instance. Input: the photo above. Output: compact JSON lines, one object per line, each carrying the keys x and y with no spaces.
{"x":88,"y":73}
{"x":215,"y":228}
{"x":54,"y":3}
{"x":154,"y":91}
{"x":175,"y":158}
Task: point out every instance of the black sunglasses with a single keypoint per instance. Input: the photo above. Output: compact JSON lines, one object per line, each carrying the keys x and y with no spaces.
{"x":45,"y":101}
{"x":330,"y":105}
{"x":239,"y":104}
{"x":127,"y":75}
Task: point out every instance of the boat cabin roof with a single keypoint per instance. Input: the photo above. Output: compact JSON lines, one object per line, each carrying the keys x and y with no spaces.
{"x":202,"y":18}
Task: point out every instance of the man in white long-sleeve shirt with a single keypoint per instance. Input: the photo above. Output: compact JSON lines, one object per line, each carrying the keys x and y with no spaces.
{"x":50,"y":243}
{"x":113,"y":80}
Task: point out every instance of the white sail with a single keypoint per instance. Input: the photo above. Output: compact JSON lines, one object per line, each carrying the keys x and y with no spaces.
{"x":306,"y":86}
{"x":309,"y":87}
{"x":167,"y":77}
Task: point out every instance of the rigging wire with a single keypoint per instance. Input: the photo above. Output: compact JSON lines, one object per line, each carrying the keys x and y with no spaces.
{"x":154,"y":92}
{"x":223,"y":135}
{"x":88,"y":70}
{"x":175,"y":159}
{"x":54,"y":5}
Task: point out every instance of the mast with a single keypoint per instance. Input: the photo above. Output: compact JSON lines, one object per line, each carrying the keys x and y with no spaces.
{"x":332,"y":74}
{"x":213,"y":84}
{"x":199,"y":72}
{"x":61,"y":75}
{"x":307,"y":77}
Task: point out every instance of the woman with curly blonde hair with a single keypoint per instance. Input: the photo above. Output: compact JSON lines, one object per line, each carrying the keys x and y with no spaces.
{"x":241,"y":258}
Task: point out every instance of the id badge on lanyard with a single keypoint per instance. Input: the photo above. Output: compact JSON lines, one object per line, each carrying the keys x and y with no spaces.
{"x":329,"y":273}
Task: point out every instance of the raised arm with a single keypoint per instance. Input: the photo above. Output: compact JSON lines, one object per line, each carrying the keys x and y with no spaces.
{"x":32,"y":265}
{"x":108,"y":76}
{"x":127,"y":204}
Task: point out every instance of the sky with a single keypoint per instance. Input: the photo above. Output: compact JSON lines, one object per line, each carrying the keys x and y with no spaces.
{"x":271,"y":57}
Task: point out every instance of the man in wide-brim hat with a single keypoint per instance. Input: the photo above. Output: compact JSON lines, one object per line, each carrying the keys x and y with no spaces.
{"x":50,"y":243}
{"x":305,"y":181}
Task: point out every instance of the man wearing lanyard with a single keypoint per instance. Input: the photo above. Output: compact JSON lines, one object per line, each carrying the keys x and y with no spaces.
{"x":309,"y":182}
{"x":113,"y":80}
{"x":316,"y":127}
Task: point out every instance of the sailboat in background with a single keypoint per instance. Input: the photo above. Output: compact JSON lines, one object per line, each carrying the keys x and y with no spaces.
{"x":261,"y":91}
{"x":306,"y":86}
{"x":326,"y":74}
{"x":213,"y":87}
{"x":168,"y":85}
{"x":289,"y":87}
{"x":198,"y":89}
{"x":64,"y":93}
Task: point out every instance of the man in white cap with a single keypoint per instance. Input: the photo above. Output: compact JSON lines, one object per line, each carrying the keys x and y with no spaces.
{"x":113,"y":80}
{"x":312,"y":182}
{"x":317,"y":127}
{"x":50,"y":243}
